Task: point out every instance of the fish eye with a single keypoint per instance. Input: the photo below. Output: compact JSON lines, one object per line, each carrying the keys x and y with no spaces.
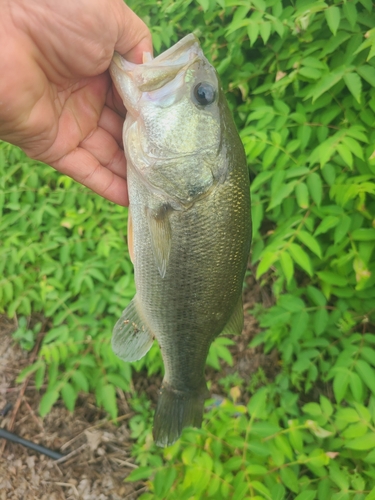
{"x":204,"y":93}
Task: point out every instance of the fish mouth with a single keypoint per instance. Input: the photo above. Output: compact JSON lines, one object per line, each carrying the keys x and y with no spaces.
{"x":155,"y":73}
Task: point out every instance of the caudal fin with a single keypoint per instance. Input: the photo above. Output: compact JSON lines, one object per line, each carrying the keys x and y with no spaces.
{"x":176,"y":410}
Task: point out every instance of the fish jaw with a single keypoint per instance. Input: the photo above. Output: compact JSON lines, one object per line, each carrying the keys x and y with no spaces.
{"x":131,"y":80}
{"x":121,"y":71}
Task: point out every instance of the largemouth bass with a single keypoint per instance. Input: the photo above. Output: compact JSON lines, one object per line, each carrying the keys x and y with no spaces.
{"x":189,"y":224}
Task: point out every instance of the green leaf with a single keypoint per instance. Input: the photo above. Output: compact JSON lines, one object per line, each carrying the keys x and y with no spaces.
{"x":326,"y":405}
{"x":256,"y":470}
{"x":368,"y":354}
{"x":270,"y":156}
{"x":118,"y":381}
{"x":69,"y":396}
{"x":339,"y":477}
{"x":290,"y":480}
{"x":306,"y":495}
{"x":363,"y":234}
{"x":356,"y":386}
{"x":312,"y":409}
{"x":234,"y":463}
{"x":354,"y":146}
{"x":342,"y":229}
{"x":367,"y":72}
{"x":140,"y":473}
{"x":371,"y":495}
{"x":316,"y":296}
{"x":332,"y":278}
{"x":265,"y":263}
{"x":314,"y":183}
{"x":350,"y":12}
{"x":28,"y":371}
{"x":39,"y":376}
{"x":302,"y":195}
{"x":366,"y":442}
{"x":332,"y":15}
{"x":326,"y":83}
{"x":348,"y":415}
{"x":311,"y":243}
{"x":367,"y":374}
{"x":47,"y":401}
{"x":345,"y":154}
{"x":321,"y":319}
{"x":312,"y":73}
{"x":340,"y":384}
{"x":205,"y":4}
{"x":253,"y":32}
{"x":265,"y":31}
{"x":287,"y":266}
{"x":106,"y":395}
{"x":257,"y":403}
{"x":354,"y":84}
{"x":327,"y":223}
{"x":354,"y":431}
{"x":261,"y":488}
{"x":163,"y":481}
{"x":301,"y":258}
{"x":80,"y":380}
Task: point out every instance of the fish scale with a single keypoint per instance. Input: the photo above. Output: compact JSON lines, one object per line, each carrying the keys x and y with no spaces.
{"x":190,"y":214}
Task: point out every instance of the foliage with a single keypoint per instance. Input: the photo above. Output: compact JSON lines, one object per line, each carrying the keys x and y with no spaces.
{"x":63,"y":254}
{"x":300,"y":79}
{"x":268,"y":449}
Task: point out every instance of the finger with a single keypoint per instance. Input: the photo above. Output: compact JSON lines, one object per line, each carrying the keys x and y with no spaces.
{"x":83,"y":167}
{"x":114,"y":102}
{"x":134,"y":37}
{"x":103,"y":147}
{"x":112,"y":123}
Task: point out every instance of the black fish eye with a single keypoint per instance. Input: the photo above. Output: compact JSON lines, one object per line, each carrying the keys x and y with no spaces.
{"x":204,"y":93}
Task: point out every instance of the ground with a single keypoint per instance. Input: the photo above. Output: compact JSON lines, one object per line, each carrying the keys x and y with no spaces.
{"x":98,"y":454}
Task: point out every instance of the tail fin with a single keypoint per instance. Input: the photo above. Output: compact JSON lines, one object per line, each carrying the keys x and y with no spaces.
{"x":176,"y":410}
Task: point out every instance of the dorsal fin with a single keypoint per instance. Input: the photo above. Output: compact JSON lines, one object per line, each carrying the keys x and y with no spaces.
{"x":235,"y":324}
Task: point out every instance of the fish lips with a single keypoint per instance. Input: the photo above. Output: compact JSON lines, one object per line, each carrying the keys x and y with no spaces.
{"x":132,"y":80}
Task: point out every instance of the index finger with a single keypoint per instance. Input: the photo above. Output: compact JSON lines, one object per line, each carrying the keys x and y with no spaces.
{"x":134,"y":37}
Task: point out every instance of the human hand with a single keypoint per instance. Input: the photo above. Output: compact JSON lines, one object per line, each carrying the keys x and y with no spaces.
{"x":57,"y":101}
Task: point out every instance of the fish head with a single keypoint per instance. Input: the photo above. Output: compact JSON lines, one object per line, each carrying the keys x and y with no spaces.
{"x":173,"y":129}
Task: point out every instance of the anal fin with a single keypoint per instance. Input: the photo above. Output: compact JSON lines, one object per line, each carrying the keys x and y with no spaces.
{"x":235,"y":324}
{"x":131,"y":338}
{"x":160,"y":231}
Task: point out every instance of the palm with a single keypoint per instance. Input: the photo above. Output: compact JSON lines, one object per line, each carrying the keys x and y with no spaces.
{"x":64,"y":110}
{"x":80,"y":135}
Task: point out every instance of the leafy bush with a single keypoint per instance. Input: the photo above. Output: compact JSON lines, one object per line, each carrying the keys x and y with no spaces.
{"x":300,"y":78}
{"x":63,"y":254}
{"x":268,"y":450}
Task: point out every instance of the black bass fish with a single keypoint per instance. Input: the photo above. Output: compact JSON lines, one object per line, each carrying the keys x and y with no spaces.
{"x":189,"y":223}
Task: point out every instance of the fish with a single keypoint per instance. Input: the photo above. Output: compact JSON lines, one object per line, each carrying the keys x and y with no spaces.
{"x":189,"y":228}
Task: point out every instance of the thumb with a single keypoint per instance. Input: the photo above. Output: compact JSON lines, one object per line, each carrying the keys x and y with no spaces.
{"x":134,"y":37}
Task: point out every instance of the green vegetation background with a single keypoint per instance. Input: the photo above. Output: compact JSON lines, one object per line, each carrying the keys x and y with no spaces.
{"x":300,"y":79}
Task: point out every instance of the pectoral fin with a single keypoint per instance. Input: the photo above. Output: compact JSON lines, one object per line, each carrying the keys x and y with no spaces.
{"x":131,"y":338}
{"x":235,"y":323}
{"x":160,"y":231}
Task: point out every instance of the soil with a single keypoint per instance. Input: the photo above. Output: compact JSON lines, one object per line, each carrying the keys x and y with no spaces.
{"x":97,"y":454}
